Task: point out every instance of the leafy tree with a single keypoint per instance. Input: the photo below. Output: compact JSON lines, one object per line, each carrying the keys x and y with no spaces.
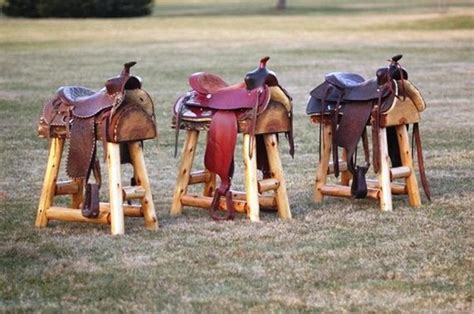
{"x":77,"y":8}
{"x":281,"y":4}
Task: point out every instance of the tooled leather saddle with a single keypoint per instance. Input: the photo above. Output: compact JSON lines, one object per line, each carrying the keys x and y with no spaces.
{"x":118,"y":113}
{"x":351,"y":102}
{"x":212,"y":100}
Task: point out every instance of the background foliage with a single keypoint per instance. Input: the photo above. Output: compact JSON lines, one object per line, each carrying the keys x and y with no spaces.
{"x":77,"y":8}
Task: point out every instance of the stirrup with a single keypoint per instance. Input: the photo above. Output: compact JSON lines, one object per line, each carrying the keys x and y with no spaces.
{"x":91,"y":206}
{"x":215,"y":206}
{"x":359,"y":184}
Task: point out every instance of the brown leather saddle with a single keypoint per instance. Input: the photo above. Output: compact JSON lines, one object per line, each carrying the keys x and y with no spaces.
{"x":118,"y":113}
{"x":222,"y":105}
{"x":353,"y":102}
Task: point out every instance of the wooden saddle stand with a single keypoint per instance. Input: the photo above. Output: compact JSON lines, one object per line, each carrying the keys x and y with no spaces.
{"x":260,"y":109}
{"x":121,"y":115}
{"x":344,"y":104}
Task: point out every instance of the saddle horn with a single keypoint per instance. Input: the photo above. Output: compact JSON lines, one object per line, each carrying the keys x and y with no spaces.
{"x":396,"y":58}
{"x":127,"y":66}
{"x":124,"y":81}
{"x":260,"y":76}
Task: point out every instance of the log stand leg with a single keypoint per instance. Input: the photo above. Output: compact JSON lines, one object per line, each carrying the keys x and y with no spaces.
{"x":49,"y":182}
{"x":406,"y":158}
{"x":141,"y":176}
{"x":78,"y":198}
{"x":346,"y":176}
{"x":115,"y":189}
{"x":384,"y":175}
{"x":184,"y":171}
{"x":251,"y":185}
{"x":271,"y":145}
{"x":322,"y":170}
{"x":210,"y":186}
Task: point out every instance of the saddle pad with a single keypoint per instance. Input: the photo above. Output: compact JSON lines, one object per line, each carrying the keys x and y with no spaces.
{"x":81,"y":147}
{"x":414,"y":94}
{"x":277,"y":95}
{"x":191,"y":113}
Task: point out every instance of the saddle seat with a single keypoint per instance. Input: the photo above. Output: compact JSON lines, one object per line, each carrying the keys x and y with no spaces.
{"x":206,"y":83}
{"x":195,"y":113}
{"x":210,"y":91}
{"x":345,"y":79}
{"x":86,"y":102}
{"x":354,"y":87}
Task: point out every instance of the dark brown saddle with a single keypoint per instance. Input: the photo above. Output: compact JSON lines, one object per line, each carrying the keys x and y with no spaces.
{"x":351,"y":102}
{"x":118,"y":113}
{"x":222,"y":105}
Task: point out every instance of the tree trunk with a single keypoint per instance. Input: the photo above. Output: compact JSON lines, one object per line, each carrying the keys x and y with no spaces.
{"x":281,"y":5}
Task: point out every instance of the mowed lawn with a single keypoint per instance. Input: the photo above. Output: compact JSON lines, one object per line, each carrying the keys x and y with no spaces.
{"x":341,"y":255}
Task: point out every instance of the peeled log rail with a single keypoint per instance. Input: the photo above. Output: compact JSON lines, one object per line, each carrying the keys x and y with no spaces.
{"x":199,"y":177}
{"x":263,"y":200}
{"x":345,"y":191}
{"x":268,"y":185}
{"x":342,"y":167}
{"x":397,"y":188}
{"x":128,"y":210}
{"x":72,"y":214}
{"x":206,"y":201}
{"x":66,"y":187}
{"x":400,"y":172}
{"x":133,"y":192}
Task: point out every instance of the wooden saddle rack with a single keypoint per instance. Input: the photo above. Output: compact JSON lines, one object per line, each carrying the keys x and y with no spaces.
{"x":121,"y":115}
{"x":259,"y":108}
{"x":344,"y":105}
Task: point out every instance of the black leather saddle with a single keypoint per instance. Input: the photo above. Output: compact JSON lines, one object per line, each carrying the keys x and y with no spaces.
{"x":351,"y":102}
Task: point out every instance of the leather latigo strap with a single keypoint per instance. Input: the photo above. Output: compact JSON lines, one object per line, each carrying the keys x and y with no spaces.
{"x":375,"y":116}
{"x":421,"y":163}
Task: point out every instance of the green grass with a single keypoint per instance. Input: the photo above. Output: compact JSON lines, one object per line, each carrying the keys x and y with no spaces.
{"x":332,"y":257}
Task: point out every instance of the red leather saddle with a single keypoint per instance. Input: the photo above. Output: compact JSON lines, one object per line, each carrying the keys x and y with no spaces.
{"x":213,"y":100}
{"x":85,"y":116}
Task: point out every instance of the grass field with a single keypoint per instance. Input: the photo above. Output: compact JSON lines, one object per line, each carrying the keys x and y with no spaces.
{"x":332,"y":257}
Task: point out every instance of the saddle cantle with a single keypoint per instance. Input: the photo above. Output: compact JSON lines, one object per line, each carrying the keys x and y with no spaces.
{"x":221,"y":106}
{"x":119,"y":112}
{"x":351,"y":102}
